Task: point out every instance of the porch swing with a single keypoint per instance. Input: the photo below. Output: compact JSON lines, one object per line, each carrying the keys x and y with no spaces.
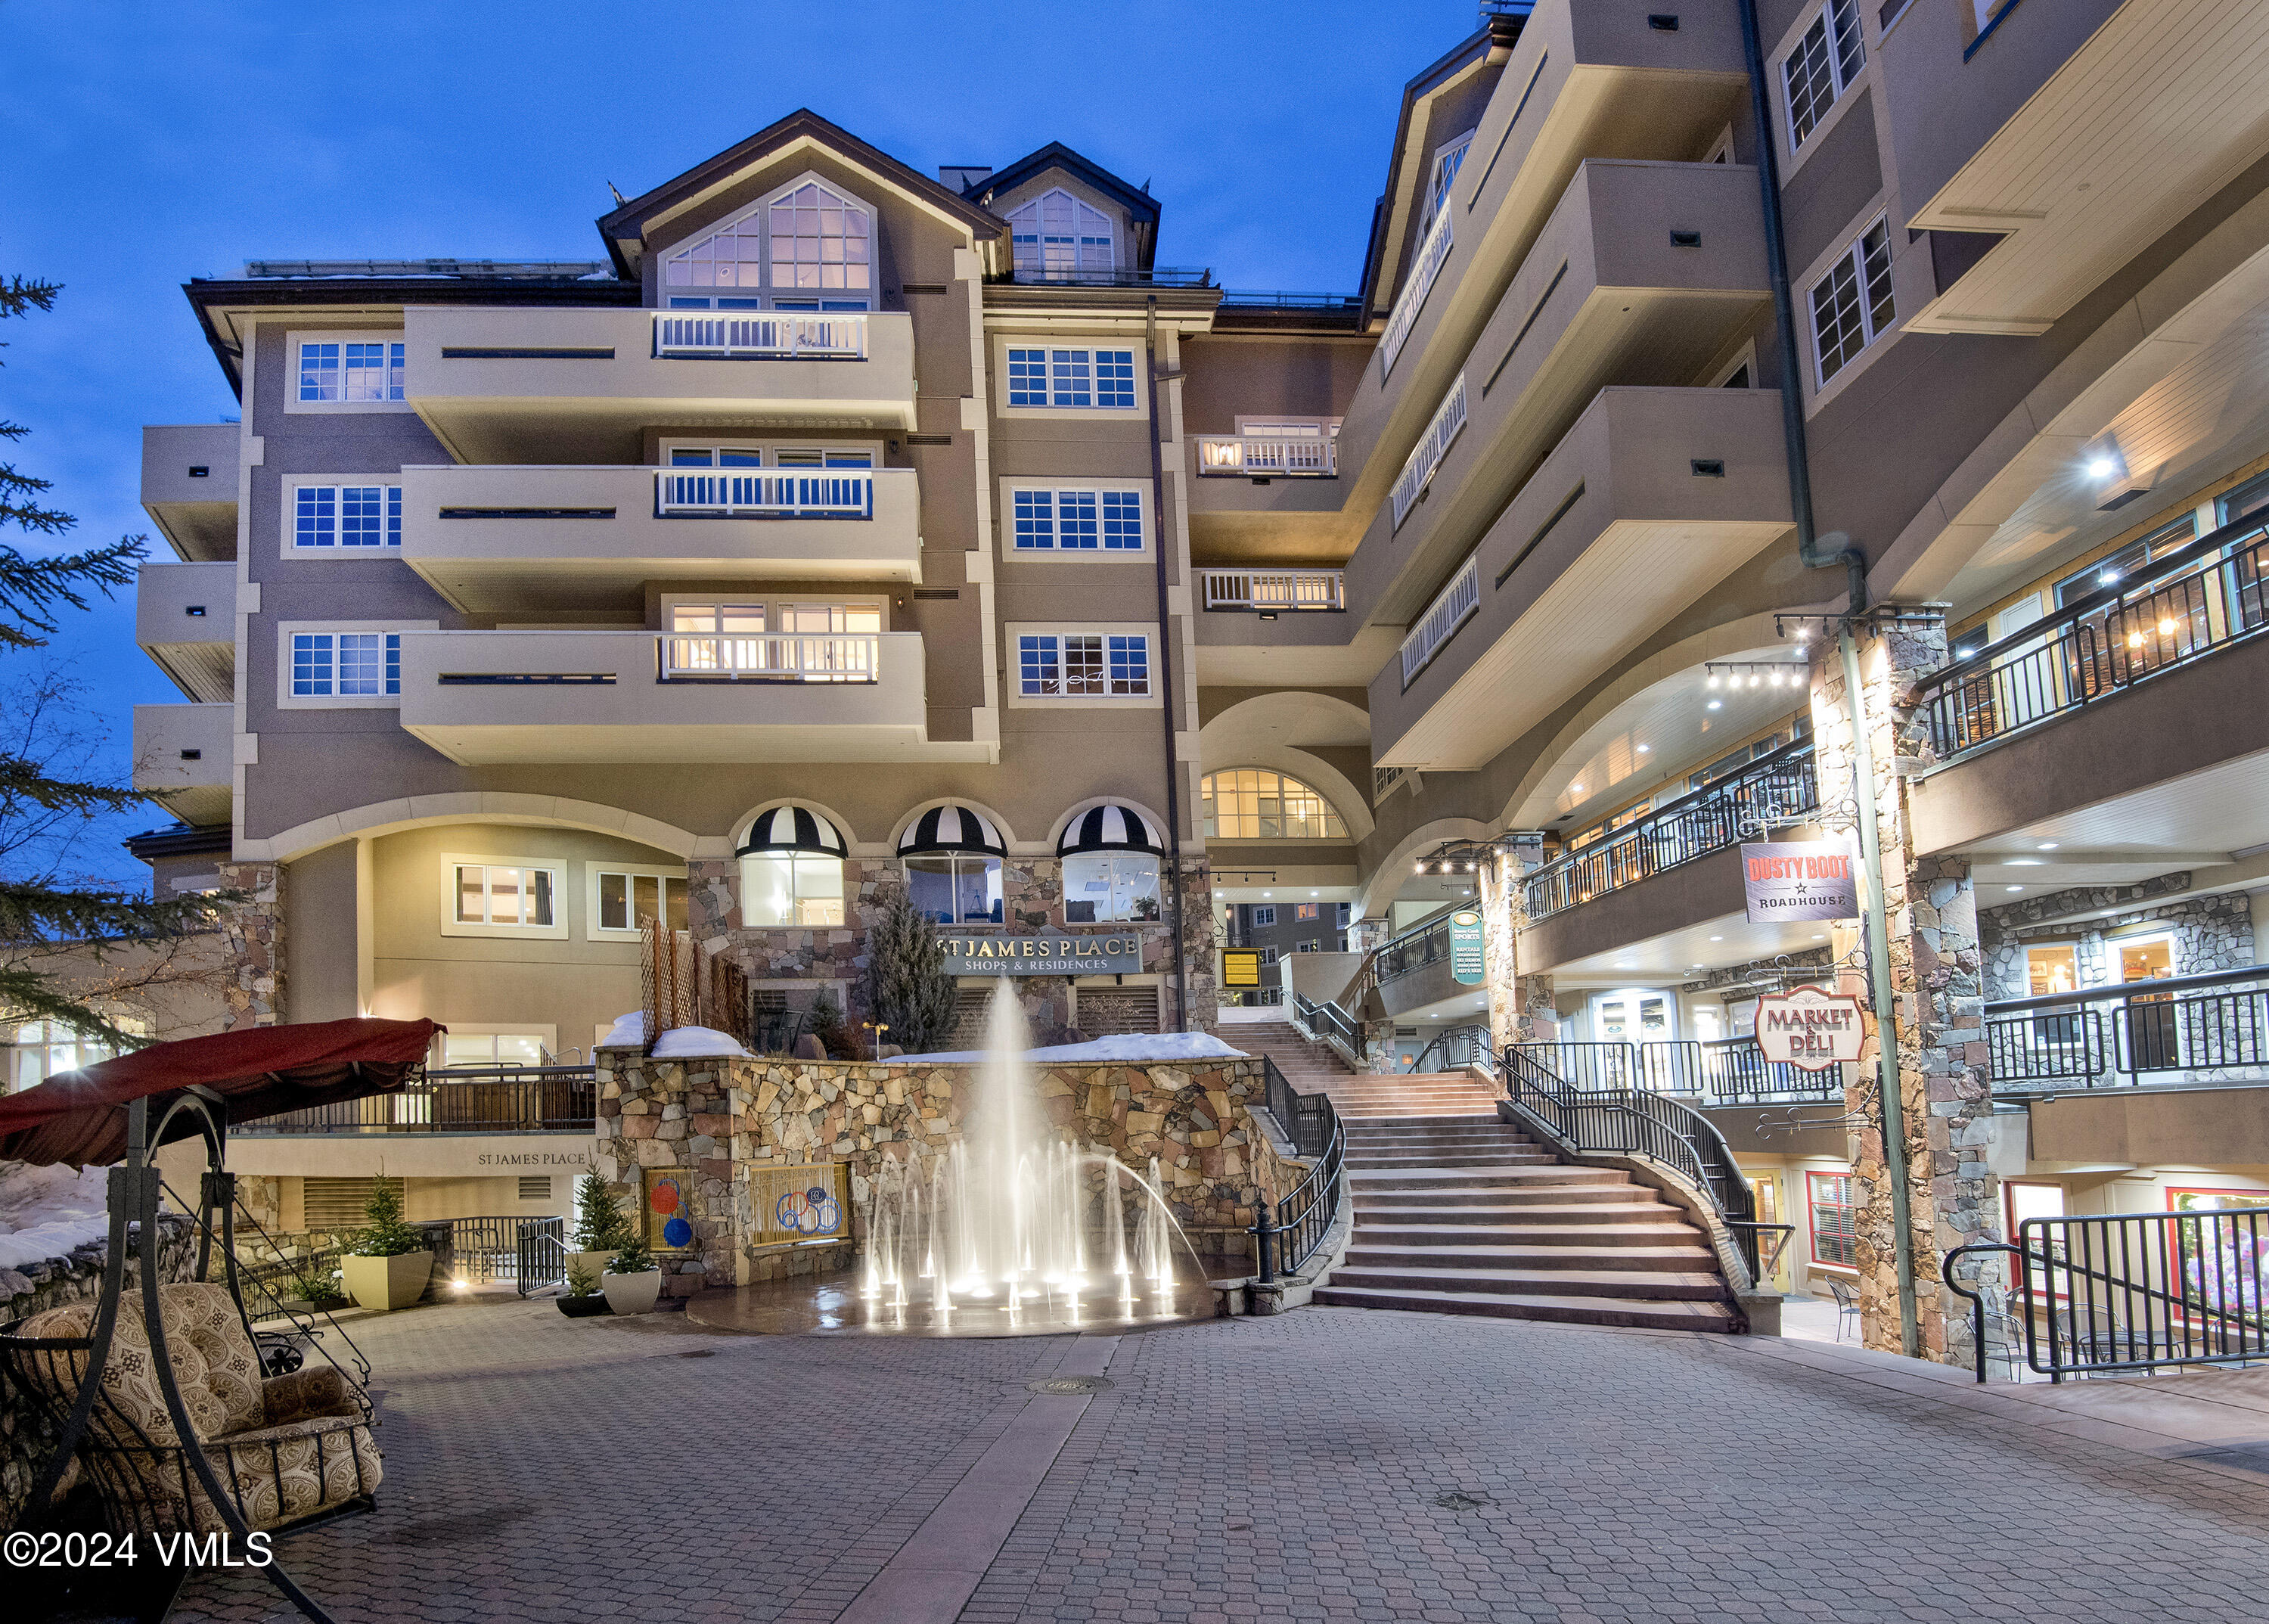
{"x":193,"y":1423}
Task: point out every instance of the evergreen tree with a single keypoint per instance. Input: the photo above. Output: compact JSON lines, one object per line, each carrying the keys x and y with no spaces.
{"x":43,"y":912}
{"x":601,"y":1224}
{"x":389,"y":1234}
{"x":913,"y":996}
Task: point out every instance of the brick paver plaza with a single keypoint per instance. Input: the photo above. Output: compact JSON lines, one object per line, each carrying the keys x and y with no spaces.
{"x":1327,"y":1463}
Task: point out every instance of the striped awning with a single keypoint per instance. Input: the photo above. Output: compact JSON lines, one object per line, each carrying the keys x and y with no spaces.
{"x":1110,"y":828}
{"x":952,"y":828}
{"x":793,"y":829}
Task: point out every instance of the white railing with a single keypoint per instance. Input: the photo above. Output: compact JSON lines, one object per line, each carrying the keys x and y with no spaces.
{"x":1432,"y":447}
{"x":1447,"y":612}
{"x":765,"y":494}
{"x":761,"y":335}
{"x":1424,"y":270}
{"x":1279,"y":456}
{"x":1274,"y":589}
{"x":775,"y":659}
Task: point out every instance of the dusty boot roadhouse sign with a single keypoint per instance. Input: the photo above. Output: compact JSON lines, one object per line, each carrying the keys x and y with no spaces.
{"x":1810,"y":1027}
{"x":1799,"y":879}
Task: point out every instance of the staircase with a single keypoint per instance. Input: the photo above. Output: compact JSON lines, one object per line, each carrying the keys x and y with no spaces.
{"x":1311,"y":1068}
{"x":1457,"y":1212}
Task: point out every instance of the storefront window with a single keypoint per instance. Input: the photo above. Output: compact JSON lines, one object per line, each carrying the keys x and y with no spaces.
{"x":39,"y":1050}
{"x":956,"y":887}
{"x":2051,"y":969}
{"x":1835,"y":1219}
{"x":1100,"y":886}
{"x":791,"y":889}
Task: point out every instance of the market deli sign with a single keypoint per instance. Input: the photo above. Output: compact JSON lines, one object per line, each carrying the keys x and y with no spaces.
{"x":1811,"y":1028}
{"x":1042,"y":955}
{"x":1800,"y":880}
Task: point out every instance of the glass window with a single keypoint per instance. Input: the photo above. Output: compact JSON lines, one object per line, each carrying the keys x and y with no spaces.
{"x":628,"y":902}
{"x":1072,"y":378}
{"x":2051,"y":968}
{"x":818,"y":239}
{"x":1263,"y":914}
{"x":337,"y":371}
{"x":490,"y":894}
{"x":1447,"y":162}
{"x":812,"y":241}
{"x":1851,"y":306}
{"x":956,"y":887}
{"x":339,"y":517}
{"x":1100,"y":886}
{"x":787,"y":888}
{"x":1070,"y":665}
{"x":1821,"y":67}
{"x":2250,"y":500}
{"x":2133,"y":557}
{"x":345,"y":664}
{"x":39,"y":1050}
{"x":1076,"y":520}
{"x":1834,"y":1218}
{"x":1059,"y":236}
{"x":1257,"y":803}
{"x":462,"y":1048}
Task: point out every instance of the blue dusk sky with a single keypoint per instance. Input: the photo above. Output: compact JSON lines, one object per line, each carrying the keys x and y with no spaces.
{"x":149,"y":143}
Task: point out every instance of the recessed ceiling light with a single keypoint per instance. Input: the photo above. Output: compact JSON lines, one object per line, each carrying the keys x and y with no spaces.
{"x":1716,"y":939}
{"x":2046,"y":846}
{"x":1315,"y":893}
{"x":1820,"y":935}
{"x":1717,"y":704}
{"x":2013,"y":888}
{"x":1625,"y":963}
{"x":1575,"y":789}
{"x":2023,"y":863}
{"x":1643,"y":749}
{"x":2102,"y":467}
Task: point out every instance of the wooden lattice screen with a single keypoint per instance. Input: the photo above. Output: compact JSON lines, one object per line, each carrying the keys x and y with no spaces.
{"x":680,"y":985}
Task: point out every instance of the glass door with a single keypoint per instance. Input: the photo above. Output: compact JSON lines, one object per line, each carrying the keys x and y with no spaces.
{"x":2153,"y":1039}
{"x":1773,"y":1248}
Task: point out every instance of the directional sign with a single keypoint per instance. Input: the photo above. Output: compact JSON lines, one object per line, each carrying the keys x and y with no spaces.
{"x":1240,"y":969}
{"x":1465,"y":947}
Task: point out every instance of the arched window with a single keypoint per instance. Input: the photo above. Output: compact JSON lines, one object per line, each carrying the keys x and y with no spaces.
{"x":791,"y":870}
{"x":1257,"y":803}
{"x":953,"y":855}
{"x":811,"y":248}
{"x":819,"y":241}
{"x":1110,"y":866}
{"x":1057,"y":235}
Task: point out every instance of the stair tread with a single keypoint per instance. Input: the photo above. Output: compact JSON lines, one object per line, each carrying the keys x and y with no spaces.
{"x":1538,"y":1253}
{"x":1436,"y":1278}
{"x":1671,"y":1313}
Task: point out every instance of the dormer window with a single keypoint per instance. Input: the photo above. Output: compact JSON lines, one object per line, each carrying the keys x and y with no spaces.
{"x":810,"y":247}
{"x":1446,"y":161}
{"x":1058,"y":237}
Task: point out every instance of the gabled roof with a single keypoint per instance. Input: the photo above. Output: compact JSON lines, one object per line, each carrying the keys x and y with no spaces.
{"x":1141,"y":208}
{"x":624,"y":229}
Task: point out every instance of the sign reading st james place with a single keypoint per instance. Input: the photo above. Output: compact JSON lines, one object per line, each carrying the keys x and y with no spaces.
{"x":1042,"y":955}
{"x":1800,"y":880}
{"x":1809,"y":1028}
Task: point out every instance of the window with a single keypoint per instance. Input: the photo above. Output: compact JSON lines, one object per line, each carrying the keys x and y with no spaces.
{"x":773,"y":456}
{"x":1305,"y":912}
{"x":1312,"y":945}
{"x":809,"y":243}
{"x":1835,"y":1219}
{"x":1076,"y":520}
{"x":1826,"y":60}
{"x":1263,"y":916}
{"x":1102,"y":886}
{"x":461,"y":1049}
{"x":1447,"y":161}
{"x":1851,"y":305}
{"x":2051,"y":968}
{"x":1078,"y":378}
{"x":1057,"y":236}
{"x":1255,"y":803}
{"x":345,"y":518}
{"x":39,"y":1050}
{"x":2129,"y":559}
{"x":789,"y":889}
{"x":628,"y":901}
{"x":337,"y":371}
{"x":2250,"y":500}
{"x":1096,"y":665}
{"x":507,"y":897}
{"x":345,"y":664}
{"x":956,"y":887}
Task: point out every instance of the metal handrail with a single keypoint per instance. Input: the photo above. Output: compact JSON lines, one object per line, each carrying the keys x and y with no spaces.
{"x":2090,"y":1037}
{"x":1458,"y":602}
{"x":1305,"y":1214}
{"x":1273,"y":456}
{"x":1426,"y":265}
{"x":1482,"y":1052}
{"x":1723,"y":1071}
{"x":528,"y":1099}
{"x":1327,"y":1022}
{"x":1414,"y":950}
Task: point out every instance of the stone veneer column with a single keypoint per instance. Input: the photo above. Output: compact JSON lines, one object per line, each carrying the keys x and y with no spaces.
{"x":683,"y":1116}
{"x":254,"y":932}
{"x":1520,"y":1005}
{"x":1197,"y":945}
{"x":1938,"y":1017}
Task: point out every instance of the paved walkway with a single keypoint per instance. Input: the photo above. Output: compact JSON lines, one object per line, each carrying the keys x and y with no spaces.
{"x":1329,"y":1464}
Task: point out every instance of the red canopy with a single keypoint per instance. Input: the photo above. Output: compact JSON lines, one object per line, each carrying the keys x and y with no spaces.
{"x":80,"y":1117}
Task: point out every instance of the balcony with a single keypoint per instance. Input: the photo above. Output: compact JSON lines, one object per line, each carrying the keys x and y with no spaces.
{"x":1274,"y":592}
{"x":1268,"y":456}
{"x":495,"y":540}
{"x":184,"y":758}
{"x":535,"y":385}
{"x":498,"y":697}
{"x":185,"y":619}
{"x":1724,"y":1071}
{"x":2195,"y":1031}
{"x":532,"y":1099}
{"x":188,"y":486}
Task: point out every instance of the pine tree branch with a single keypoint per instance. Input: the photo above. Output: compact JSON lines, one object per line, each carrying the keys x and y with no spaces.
{"x":26,"y":780}
{"x":30,"y":995}
{"x":18,"y":295}
{"x":100,"y":920}
{"x":32,"y":588}
{"x":25,"y":514}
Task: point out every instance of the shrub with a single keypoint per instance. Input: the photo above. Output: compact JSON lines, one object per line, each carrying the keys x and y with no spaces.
{"x":634,"y":1258}
{"x":601,"y":1224}
{"x":581,"y":1282}
{"x":388,"y":1235}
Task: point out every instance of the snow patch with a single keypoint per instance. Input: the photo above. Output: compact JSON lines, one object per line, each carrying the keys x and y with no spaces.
{"x":628,"y":1032}
{"x":49,"y":1211}
{"x":695,"y":1042}
{"x":1130,"y":1047}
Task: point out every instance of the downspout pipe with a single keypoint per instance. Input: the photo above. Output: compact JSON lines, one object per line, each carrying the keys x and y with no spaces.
{"x":1173,"y":877}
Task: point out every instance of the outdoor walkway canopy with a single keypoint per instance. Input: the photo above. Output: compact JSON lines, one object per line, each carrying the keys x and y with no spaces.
{"x":80,"y":1117}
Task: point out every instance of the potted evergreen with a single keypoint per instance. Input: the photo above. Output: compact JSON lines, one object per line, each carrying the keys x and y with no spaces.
{"x":584,"y":1298}
{"x":388,"y":1265}
{"x":602,"y":1227}
{"x":633,"y":1279}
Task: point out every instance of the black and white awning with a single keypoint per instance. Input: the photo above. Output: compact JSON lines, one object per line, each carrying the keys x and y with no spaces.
{"x":952,"y":828}
{"x":793,"y":829}
{"x":1110,"y":828}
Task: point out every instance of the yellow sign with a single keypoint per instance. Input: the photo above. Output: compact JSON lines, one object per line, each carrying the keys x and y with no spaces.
{"x":1240,"y":969}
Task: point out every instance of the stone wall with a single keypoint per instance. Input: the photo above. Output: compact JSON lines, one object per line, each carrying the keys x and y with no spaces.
{"x":718,"y":1120}
{"x":253,"y":933}
{"x":2211,"y":932}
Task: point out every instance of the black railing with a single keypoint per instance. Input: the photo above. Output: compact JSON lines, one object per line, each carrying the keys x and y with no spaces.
{"x":2197,"y":600}
{"x":1414,"y":950}
{"x":1305,"y":1213}
{"x":1238,"y":299}
{"x":1327,"y":1023}
{"x":1157,"y":276}
{"x":1453,"y":1049}
{"x":2204,"y":1028}
{"x":2129,"y":1291}
{"x":525,"y":1253}
{"x":526,"y":1099}
{"x":1726,"y":1071}
{"x":1771,"y":790}
{"x":1639,"y":1122}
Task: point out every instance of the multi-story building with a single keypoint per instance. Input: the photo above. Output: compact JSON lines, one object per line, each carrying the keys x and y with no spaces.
{"x":846,"y":528}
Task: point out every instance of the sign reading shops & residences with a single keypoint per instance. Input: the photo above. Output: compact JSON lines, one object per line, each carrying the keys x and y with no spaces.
{"x":1466,"y":946}
{"x":1800,"y":880}
{"x":1042,"y":955}
{"x":1810,"y":1027}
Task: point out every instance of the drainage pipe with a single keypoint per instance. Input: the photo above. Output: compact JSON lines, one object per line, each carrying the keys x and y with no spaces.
{"x":1173,"y":878}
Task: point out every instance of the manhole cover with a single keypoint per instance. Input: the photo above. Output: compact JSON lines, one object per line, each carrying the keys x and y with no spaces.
{"x":1462,"y":1502}
{"x":1068,"y":1384}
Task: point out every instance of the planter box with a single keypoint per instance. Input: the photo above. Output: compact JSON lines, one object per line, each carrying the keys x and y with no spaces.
{"x":633,"y":1294}
{"x":583,"y":1307}
{"x":387,"y":1283}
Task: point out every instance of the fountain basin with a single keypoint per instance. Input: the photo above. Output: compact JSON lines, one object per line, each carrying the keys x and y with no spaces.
{"x":833,"y":1305}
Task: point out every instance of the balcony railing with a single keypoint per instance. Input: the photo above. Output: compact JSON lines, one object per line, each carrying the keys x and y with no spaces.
{"x":1429,"y":944}
{"x":1268,"y":456}
{"x":1431,"y":255}
{"x":1271,"y":591}
{"x":1770,"y":789}
{"x":783,"y":658}
{"x":708,"y":494}
{"x":1434,"y":445}
{"x":1156,"y":276}
{"x":1443,"y":616}
{"x":1726,"y":1071}
{"x":2196,"y":1030}
{"x":527,"y":1099}
{"x":760,"y":335}
{"x":2196,"y":601}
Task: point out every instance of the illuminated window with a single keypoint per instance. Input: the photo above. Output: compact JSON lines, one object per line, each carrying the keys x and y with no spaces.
{"x":809,"y":243}
{"x":2051,"y":968}
{"x":1058,"y":237}
{"x":1257,"y":803}
{"x":514,"y":897}
{"x":1834,"y":1218}
{"x":629,"y":902}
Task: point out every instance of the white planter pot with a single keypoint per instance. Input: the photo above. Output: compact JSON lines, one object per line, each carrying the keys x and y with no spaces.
{"x":632,"y":1293}
{"x":384,"y":1283}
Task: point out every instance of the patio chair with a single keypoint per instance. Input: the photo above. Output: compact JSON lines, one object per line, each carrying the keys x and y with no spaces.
{"x":1847,"y":1305}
